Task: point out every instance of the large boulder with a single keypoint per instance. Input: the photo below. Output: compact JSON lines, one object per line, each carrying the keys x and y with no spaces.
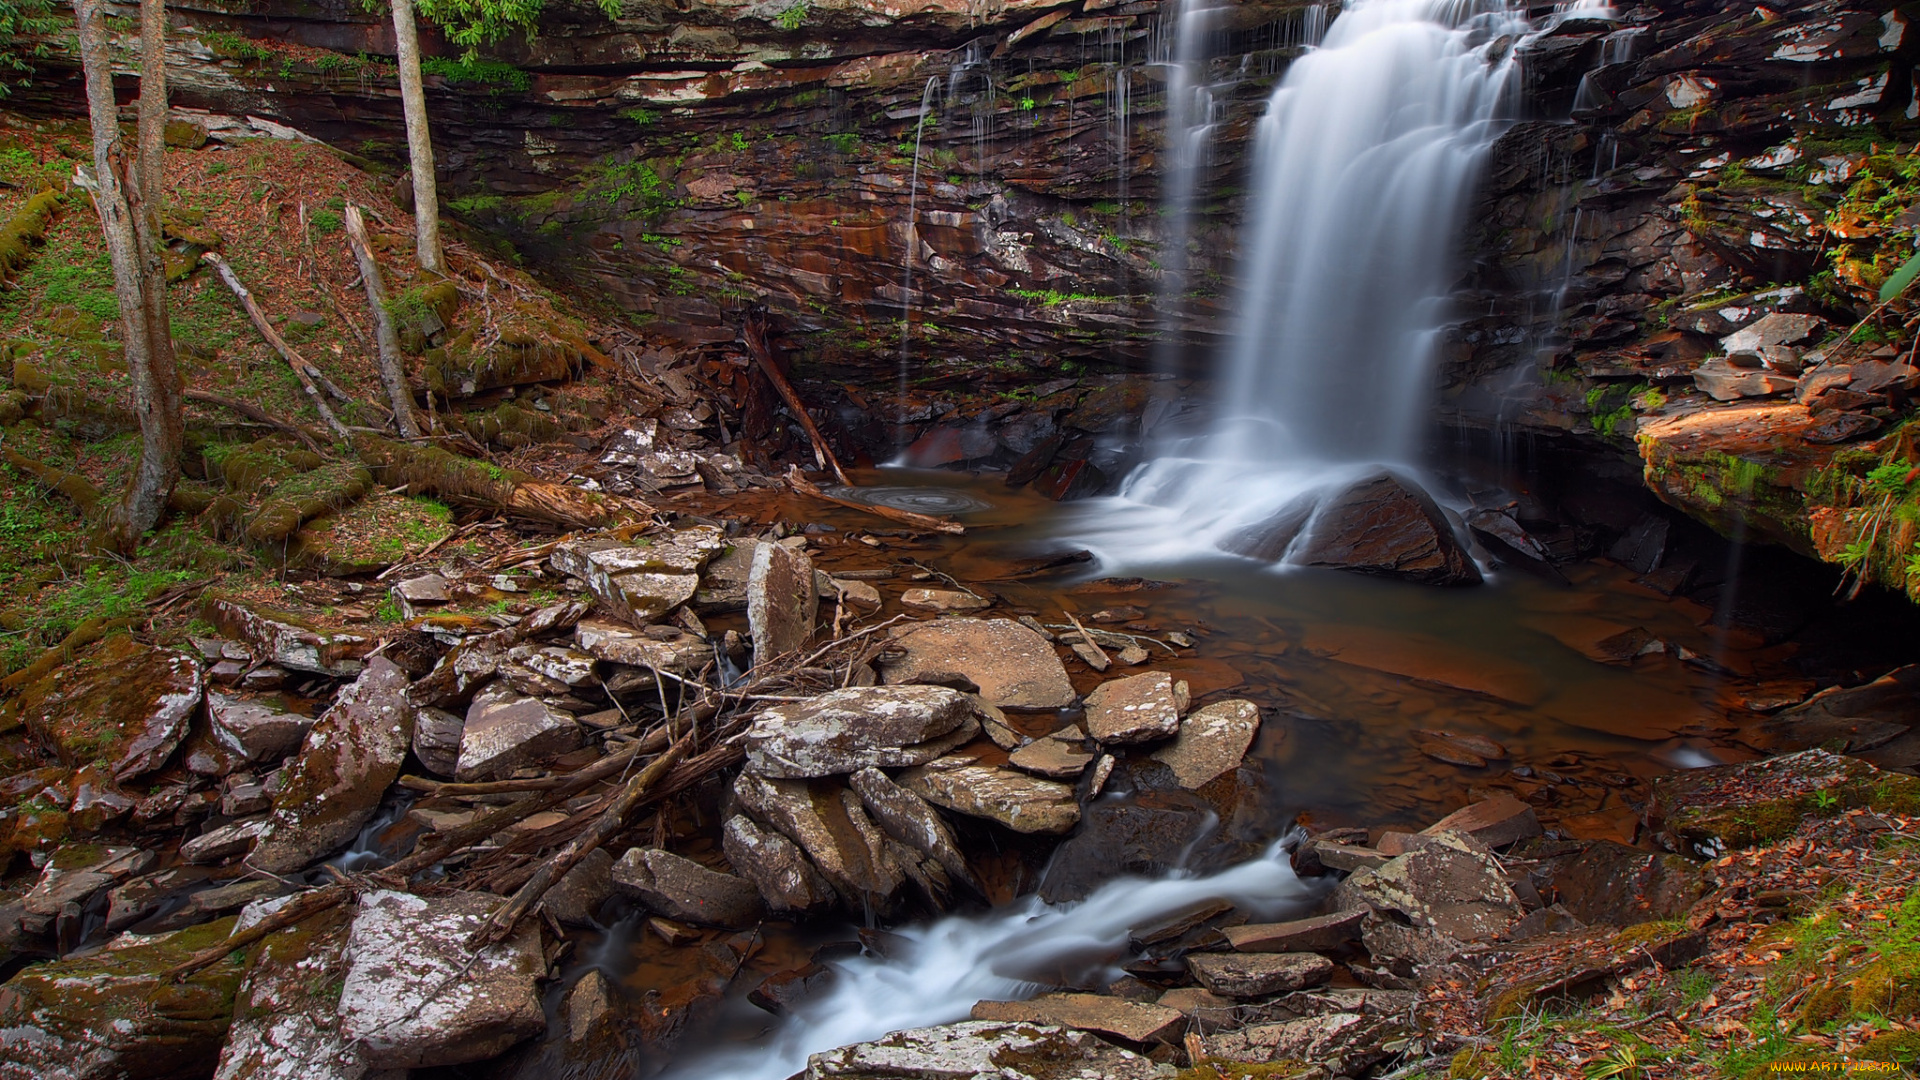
{"x":1451,"y":886}
{"x":782,"y":600}
{"x":675,"y":653}
{"x":682,"y":889}
{"x":506,"y":730}
{"x":286,"y":1018}
{"x":1013,"y":667}
{"x":844,"y":731}
{"x":1022,"y":803}
{"x":982,"y":1050}
{"x":350,"y":757}
{"x":120,"y":702}
{"x":1856,"y":718}
{"x":1212,"y":742}
{"x":416,"y":996}
{"x":1385,"y":527}
{"x":114,"y":1013}
{"x":1704,"y":812}
{"x":835,"y":832}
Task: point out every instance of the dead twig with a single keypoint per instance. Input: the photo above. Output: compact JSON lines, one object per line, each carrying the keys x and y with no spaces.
{"x":294,"y":360}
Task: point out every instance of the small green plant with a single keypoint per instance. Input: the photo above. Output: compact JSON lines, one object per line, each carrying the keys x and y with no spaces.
{"x":1622,"y":1063}
{"x":496,"y":74}
{"x":792,"y":17}
{"x":845,"y":142}
{"x":1027,"y":104}
{"x":639,"y":115}
{"x":326,"y":221}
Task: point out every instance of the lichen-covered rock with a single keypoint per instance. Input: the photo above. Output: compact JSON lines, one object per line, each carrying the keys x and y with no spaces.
{"x":1134,"y":1021}
{"x":286,"y":1017}
{"x":1212,"y":742}
{"x":781,"y":600}
{"x":113,"y":1014}
{"x":506,"y":730}
{"x":1704,"y":812}
{"x":843,"y":731}
{"x":779,"y":869}
{"x":287,"y":641}
{"x":907,"y":818}
{"x":334,"y":785}
{"x":119,"y":702}
{"x":1450,"y":886}
{"x":838,"y":837}
{"x":983,"y":1050}
{"x":645,"y":579}
{"x":77,"y":871}
{"x":682,"y":654}
{"x":416,"y":996}
{"x":1022,"y":803}
{"x":1013,"y":667}
{"x":1138,"y":708}
{"x":1243,"y":975}
{"x":254,"y":730}
{"x":682,"y":889}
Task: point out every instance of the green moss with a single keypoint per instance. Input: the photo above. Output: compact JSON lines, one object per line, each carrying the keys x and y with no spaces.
{"x":496,"y":75}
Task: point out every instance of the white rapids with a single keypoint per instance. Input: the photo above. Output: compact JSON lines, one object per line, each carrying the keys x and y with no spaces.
{"x":1009,"y":953}
{"x":1366,"y":162}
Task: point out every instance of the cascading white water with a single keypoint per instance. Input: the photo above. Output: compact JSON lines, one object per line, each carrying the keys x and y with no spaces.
{"x":1009,"y":953}
{"x":1366,"y":161}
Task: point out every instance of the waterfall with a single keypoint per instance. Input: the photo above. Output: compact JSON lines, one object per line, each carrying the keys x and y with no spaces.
{"x":1013,"y":952}
{"x":1185,"y":49}
{"x":1364,"y":164}
{"x":906,"y":274}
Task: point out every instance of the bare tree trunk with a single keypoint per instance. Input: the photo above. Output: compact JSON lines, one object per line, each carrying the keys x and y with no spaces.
{"x":391,"y":371}
{"x":153,"y":102}
{"x":132,"y":232}
{"x":413,"y":104}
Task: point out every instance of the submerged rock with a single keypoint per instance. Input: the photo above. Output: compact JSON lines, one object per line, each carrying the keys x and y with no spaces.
{"x":350,"y":757}
{"x":114,"y":1013}
{"x":416,"y":996}
{"x":844,"y":731}
{"x":982,"y":1050}
{"x":1387,"y":528}
{"x":1013,"y":667}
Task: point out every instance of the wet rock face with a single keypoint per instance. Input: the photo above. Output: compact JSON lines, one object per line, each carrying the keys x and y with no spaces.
{"x":114,"y":1013}
{"x":1212,"y":742}
{"x":781,"y":599}
{"x":416,"y":997}
{"x":981,"y":1050}
{"x":122,"y":702}
{"x":845,"y":731}
{"x":350,"y":757}
{"x":1387,"y":528}
{"x":1616,"y":884}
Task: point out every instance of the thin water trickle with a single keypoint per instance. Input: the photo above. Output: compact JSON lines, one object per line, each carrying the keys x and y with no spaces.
{"x":1191,"y":116}
{"x":913,"y":245}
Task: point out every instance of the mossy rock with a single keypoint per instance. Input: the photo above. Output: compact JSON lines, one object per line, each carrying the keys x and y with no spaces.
{"x":370,"y":536}
{"x":1826,"y":1003}
{"x":512,"y":426}
{"x":1890,"y":987}
{"x":1900,"y":1046}
{"x":115,"y":1013}
{"x":1704,"y":812}
{"x":185,"y":135}
{"x":518,"y":358}
{"x":118,"y":702}
{"x":26,"y":230}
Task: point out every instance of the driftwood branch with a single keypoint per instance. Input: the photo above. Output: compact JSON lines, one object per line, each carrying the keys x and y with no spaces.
{"x":611,"y":821}
{"x":761,"y":349}
{"x":294,"y":360}
{"x":300,"y":908}
{"x":803,"y":486}
{"x":392,"y":372}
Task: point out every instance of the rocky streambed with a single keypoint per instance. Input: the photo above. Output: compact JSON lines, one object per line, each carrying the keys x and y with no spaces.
{"x":617,"y":829}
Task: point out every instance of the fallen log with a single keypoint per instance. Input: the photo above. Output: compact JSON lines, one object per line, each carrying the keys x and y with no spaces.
{"x":803,"y":486}
{"x":392,"y":372}
{"x":256,"y":413}
{"x":761,"y":349}
{"x":611,"y":821}
{"x":75,"y":487}
{"x":432,"y":470}
{"x":294,"y":360}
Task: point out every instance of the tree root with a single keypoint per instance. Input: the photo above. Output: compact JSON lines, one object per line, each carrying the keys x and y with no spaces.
{"x":74,"y":486}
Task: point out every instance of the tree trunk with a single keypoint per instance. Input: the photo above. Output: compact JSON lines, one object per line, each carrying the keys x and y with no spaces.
{"x":413,"y":104}
{"x":153,"y":103}
{"x":132,"y":231}
{"x":392,"y":372}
